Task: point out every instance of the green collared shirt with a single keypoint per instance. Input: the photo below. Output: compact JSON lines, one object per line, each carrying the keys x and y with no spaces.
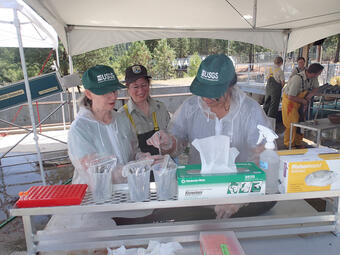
{"x":144,"y":123}
{"x":295,"y":85}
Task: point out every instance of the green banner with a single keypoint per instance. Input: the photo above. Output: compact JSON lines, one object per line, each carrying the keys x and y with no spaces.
{"x":40,"y":86}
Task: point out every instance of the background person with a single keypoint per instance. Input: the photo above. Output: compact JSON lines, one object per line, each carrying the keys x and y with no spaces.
{"x":275,"y":82}
{"x":145,"y":114}
{"x":301,"y":66}
{"x":297,"y":93}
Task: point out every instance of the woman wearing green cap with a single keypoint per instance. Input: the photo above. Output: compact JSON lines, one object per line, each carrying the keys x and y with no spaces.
{"x":98,"y":132}
{"x":218,"y":107}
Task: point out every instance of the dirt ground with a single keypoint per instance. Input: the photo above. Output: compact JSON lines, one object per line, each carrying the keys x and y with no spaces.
{"x":12,"y":237}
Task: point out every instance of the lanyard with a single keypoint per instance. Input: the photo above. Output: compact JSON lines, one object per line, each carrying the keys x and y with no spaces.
{"x":154,"y":119}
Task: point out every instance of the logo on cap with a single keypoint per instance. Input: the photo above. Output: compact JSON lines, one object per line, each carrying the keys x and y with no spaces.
{"x":106,"y":77}
{"x":210,"y":76}
{"x":136,"y":69}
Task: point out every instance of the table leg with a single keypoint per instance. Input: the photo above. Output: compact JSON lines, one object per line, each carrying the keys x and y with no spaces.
{"x":290,"y":136}
{"x":318,"y":138}
{"x":336,"y":210}
{"x":29,"y":235}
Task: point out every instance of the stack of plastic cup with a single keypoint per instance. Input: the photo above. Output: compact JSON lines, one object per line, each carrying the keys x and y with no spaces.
{"x":101,"y":178}
{"x":138,"y":175}
{"x":165,"y":177}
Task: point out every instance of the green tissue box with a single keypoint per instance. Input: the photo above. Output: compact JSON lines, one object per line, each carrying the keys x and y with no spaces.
{"x":249,"y":179}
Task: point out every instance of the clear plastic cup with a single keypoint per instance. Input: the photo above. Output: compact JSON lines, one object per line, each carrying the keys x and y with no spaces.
{"x":139,"y":186}
{"x":138,"y":176}
{"x":102,"y":186}
{"x":166,"y":181}
{"x":101,"y":178}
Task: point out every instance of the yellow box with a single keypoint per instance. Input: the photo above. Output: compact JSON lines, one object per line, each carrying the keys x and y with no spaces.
{"x":305,"y":170}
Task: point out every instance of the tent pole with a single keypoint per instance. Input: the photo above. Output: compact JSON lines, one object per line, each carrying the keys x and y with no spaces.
{"x":28,"y":93}
{"x":254,"y":14}
{"x":74,"y":101}
{"x":285,"y":51}
{"x":61,"y":94}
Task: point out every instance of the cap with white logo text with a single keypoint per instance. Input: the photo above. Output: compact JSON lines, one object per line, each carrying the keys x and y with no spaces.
{"x":214,"y":76}
{"x":101,"y":80}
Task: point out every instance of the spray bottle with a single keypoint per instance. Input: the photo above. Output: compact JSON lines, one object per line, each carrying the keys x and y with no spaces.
{"x":269,"y":160}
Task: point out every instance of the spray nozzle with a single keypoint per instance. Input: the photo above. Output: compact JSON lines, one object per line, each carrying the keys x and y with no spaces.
{"x":268,"y":134}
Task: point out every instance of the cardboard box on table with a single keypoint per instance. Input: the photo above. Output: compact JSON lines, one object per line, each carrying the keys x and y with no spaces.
{"x":192,"y":185}
{"x":298,"y":166}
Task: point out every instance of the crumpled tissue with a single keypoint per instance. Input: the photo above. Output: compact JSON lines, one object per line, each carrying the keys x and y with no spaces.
{"x":216,"y":154}
{"x":154,"y":248}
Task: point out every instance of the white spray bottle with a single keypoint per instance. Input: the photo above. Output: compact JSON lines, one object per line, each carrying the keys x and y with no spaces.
{"x":269,"y":160}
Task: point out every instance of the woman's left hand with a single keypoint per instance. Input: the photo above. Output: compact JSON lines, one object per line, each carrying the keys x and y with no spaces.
{"x":225,"y":211}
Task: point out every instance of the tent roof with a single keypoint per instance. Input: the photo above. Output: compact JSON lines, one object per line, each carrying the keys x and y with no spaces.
{"x":35,"y":32}
{"x":85,"y":25}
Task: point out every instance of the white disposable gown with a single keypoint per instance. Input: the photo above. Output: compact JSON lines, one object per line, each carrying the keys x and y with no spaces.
{"x":89,"y":139}
{"x":194,"y":120}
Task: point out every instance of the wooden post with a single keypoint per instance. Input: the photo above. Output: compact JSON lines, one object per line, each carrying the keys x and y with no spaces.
{"x":318,"y":53}
{"x":305,"y":53}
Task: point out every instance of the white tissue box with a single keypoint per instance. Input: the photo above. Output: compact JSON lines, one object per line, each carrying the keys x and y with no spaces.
{"x":192,"y":185}
{"x":309,"y":170}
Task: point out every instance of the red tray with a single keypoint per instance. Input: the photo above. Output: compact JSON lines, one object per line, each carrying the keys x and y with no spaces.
{"x":54,"y":195}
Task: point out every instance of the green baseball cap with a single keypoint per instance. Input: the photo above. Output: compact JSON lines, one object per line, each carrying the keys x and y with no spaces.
{"x":101,"y":80}
{"x":213,"y":77}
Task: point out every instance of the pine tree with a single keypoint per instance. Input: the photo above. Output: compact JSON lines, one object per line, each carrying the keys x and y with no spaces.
{"x":194,"y":63}
{"x":138,"y":53}
{"x":163,"y":57}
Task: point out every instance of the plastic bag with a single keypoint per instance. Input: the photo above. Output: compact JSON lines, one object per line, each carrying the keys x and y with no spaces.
{"x":154,"y":248}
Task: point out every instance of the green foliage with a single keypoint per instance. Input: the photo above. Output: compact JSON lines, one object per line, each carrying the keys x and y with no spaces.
{"x":163,"y":58}
{"x":152,"y":44}
{"x":194,"y":64}
{"x":180,"y":46}
{"x":329,"y":47}
{"x":86,"y":60}
{"x":63,"y":60}
{"x":138,"y":53}
{"x":123,"y":55}
{"x":193,"y":45}
{"x":10,"y":63}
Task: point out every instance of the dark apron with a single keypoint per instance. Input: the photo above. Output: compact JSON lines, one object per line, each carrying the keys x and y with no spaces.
{"x":147,"y":148}
{"x":144,"y":147}
{"x":142,"y":138}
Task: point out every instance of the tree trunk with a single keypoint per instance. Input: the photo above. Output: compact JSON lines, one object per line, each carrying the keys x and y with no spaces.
{"x":336,"y":59}
{"x":251,"y":57}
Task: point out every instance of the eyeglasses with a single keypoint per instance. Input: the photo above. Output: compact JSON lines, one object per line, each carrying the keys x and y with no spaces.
{"x":212,"y":99}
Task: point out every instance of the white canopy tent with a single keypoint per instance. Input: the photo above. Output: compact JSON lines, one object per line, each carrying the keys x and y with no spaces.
{"x":21,"y":27}
{"x":85,"y":25}
{"x":35,"y":32}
